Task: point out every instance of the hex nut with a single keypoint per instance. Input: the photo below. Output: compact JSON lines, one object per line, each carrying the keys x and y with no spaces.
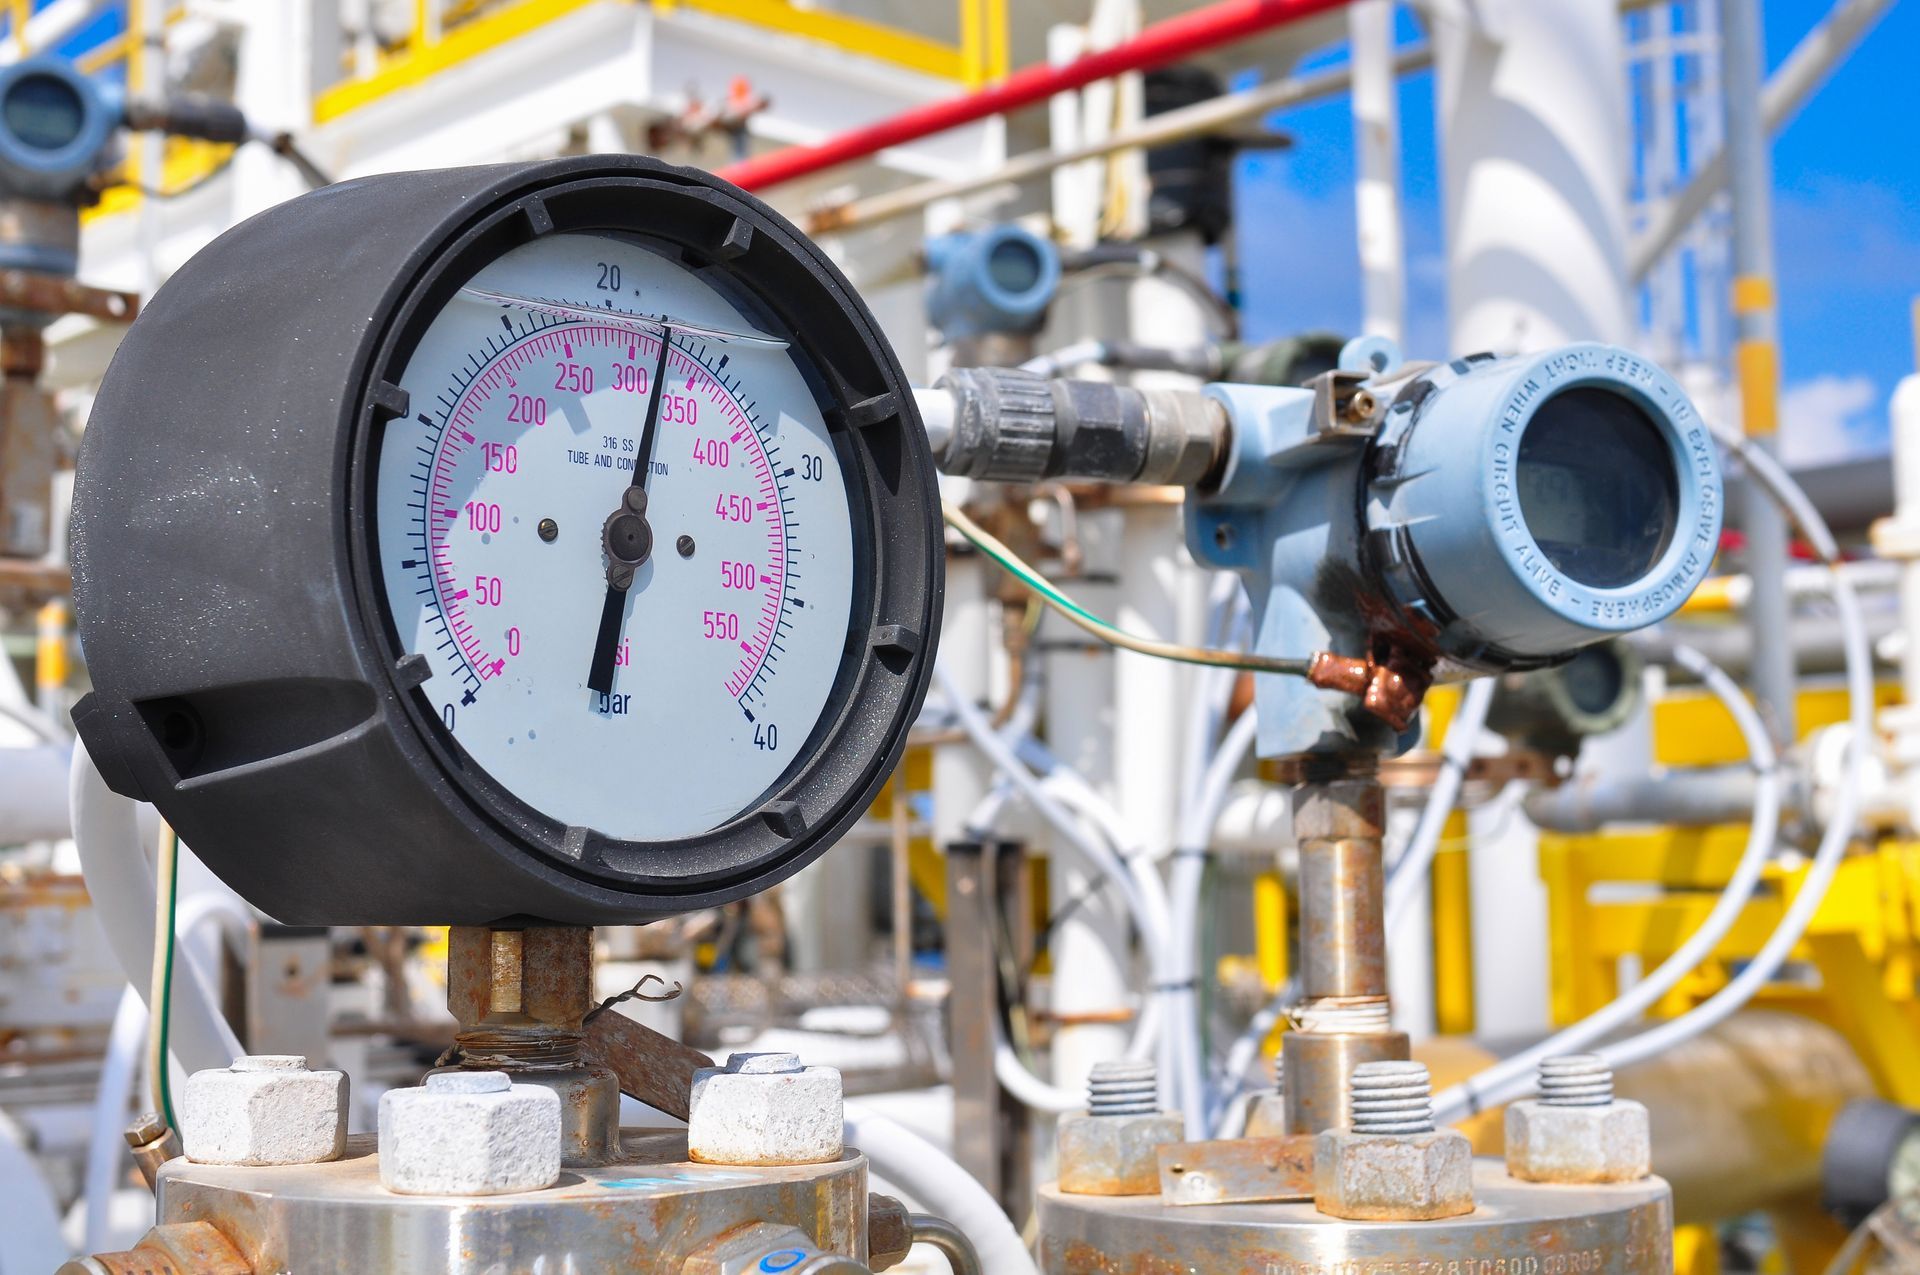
{"x":1393,"y":1177}
{"x":765,"y":1109}
{"x":1612,"y":1142}
{"x":889,"y":1232}
{"x":265,"y":1109}
{"x":1114,"y":1155}
{"x":469,"y":1133}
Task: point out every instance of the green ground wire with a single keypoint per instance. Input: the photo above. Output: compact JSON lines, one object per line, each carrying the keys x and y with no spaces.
{"x":1053,"y":596}
{"x":163,"y":1020}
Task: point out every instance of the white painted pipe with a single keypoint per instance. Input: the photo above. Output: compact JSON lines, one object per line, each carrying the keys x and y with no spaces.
{"x":1534,"y":163}
{"x":120,"y":883}
{"x":33,"y":794}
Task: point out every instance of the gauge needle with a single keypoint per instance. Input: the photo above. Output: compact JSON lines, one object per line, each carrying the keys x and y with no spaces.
{"x":621,"y":319}
{"x":627,"y":536}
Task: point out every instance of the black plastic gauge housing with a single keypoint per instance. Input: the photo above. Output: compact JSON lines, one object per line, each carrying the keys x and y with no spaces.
{"x":247,"y":679}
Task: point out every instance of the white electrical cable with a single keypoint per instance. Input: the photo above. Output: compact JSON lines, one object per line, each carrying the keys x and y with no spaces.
{"x":1189,"y":875}
{"x":1080,"y":797}
{"x":1130,"y":870}
{"x":1027,"y":1088}
{"x":1409,"y":870}
{"x":1458,"y":1101}
{"x":1840,"y":824}
{"x":1514,"y":1076}
{"x":937,"y":1184}
{"x":120,"y":883}
{"x":1245,"y":1052}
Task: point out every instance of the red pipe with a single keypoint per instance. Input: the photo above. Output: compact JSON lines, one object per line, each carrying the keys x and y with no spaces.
{"x":1157,"y":45}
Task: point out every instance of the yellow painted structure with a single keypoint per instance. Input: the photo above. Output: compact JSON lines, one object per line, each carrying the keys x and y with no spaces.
{"x":433,"y":47}
{"x":1863,"y":942}
{"x":1691,"y":728}
{"x":450,"y":34}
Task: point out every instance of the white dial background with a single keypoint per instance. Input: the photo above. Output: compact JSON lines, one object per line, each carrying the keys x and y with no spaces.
{"x":729,"y":651}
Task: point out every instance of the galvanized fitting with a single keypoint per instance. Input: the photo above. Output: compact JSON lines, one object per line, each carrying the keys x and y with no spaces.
{"x":1393,"y":1165}
{"x":765,"y":1109}
{"x":766,"y":1246}
{"x":1577,"y":1131}
{"x":265,"y":1109}
{"x":469,"y":1133}
{"x":1111,"y":1150}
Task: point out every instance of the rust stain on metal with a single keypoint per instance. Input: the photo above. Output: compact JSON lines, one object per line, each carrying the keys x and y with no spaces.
{"x":652,"y":1068}
{"x":1237,"y":1170}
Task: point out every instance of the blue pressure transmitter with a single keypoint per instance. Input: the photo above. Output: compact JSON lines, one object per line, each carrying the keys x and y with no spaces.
{"x":55,"y":127}
{"x":1492,"y":514}
{"x":996,"y":280}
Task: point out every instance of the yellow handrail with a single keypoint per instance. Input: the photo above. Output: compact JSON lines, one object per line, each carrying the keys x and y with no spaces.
{"x":446,"y":35}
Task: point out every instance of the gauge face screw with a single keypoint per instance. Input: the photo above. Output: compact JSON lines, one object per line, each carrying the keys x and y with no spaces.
{"x":685,"y":546}
{"x":549,"y":530}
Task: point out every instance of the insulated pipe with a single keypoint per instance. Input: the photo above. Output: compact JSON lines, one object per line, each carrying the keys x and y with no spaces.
{"x":1688,"y":798}
{"x":1158,"y":45}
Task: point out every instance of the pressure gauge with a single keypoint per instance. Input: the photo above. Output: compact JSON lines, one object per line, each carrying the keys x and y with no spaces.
{"x":553,"y":540}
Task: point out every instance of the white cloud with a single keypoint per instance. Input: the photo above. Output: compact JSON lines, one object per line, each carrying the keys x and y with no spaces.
{"x":1831,"y":418}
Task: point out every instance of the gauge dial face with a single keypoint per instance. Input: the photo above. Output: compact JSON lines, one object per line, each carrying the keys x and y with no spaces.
{"x":643,"y":658}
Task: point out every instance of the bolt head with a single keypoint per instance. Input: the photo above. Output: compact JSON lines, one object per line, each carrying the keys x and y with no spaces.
{"x":1412,"y":1177}
{"x":1610,"y":1143}
{"x":1114,"y":1155}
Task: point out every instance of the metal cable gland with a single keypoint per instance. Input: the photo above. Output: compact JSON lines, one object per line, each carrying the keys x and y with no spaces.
{"x":1004,"y":428}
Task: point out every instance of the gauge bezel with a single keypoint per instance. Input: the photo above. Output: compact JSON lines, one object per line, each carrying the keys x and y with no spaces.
{"x":735,"y":246}
{"x":245,"y":679}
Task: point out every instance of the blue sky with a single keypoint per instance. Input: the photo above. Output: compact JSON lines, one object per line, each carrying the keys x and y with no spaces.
{"x":1846,"y":219}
